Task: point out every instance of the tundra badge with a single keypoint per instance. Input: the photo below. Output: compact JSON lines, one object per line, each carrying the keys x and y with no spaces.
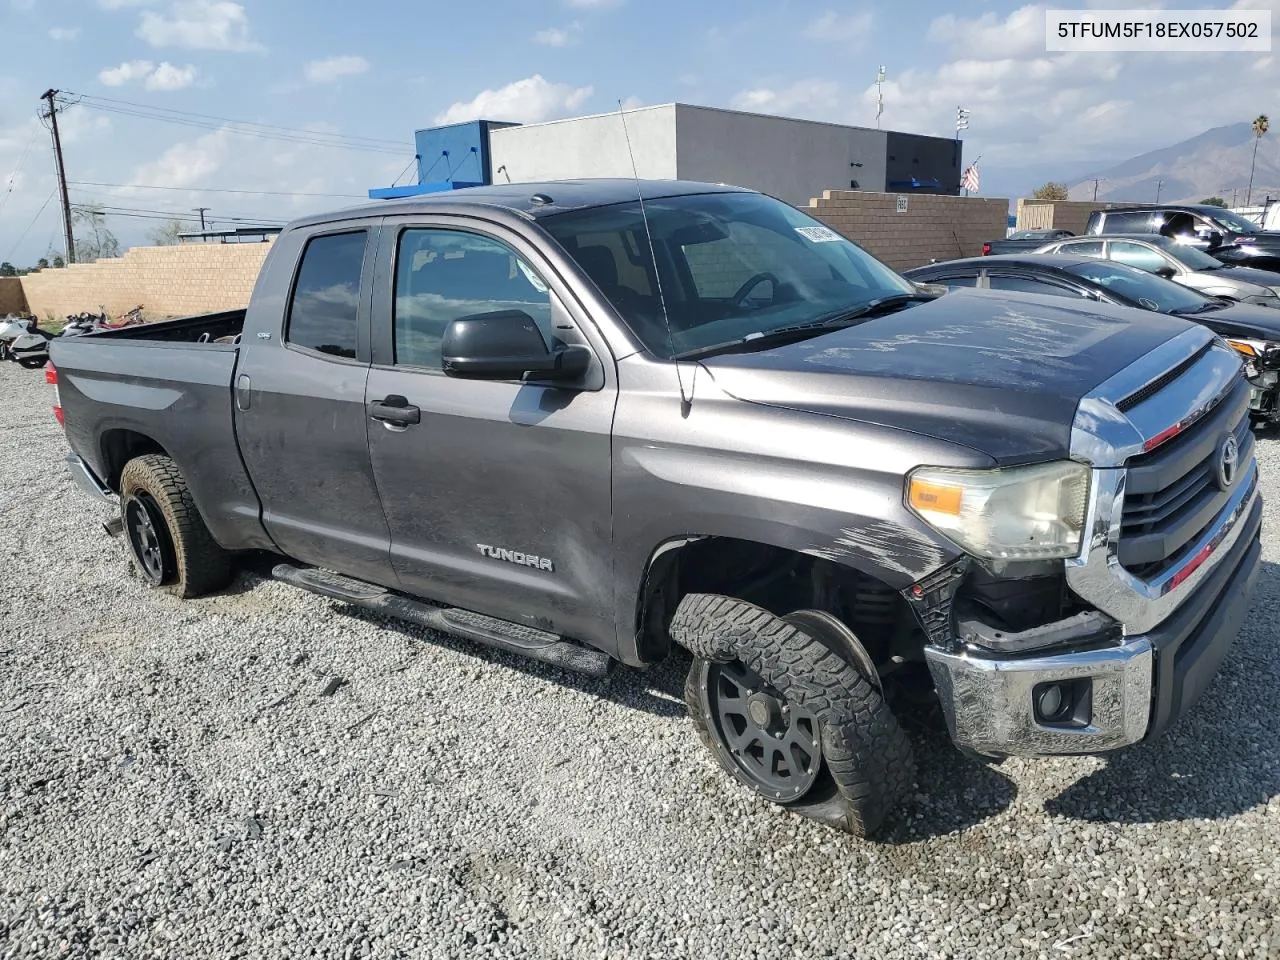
{"x":515,"y":556}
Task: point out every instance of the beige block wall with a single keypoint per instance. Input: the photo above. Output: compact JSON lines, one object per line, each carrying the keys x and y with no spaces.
{"x":933,"y":227}
{"x":1070,"y":215}
{"x":12,"y":299}
{"x":167,"y":281}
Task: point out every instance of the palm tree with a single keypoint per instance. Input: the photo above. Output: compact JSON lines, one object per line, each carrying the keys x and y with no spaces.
{"x":1260,"y":127}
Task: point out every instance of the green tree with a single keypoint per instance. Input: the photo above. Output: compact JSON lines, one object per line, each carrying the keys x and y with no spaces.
{"x":59,"y":261}
{"x":42,"y":264}
{"x":95,"y":240}
{"x":1214,"y":202}
{"x":1261,"y":124}
{"x":7,"y":269}
{"x":1050,"y":191}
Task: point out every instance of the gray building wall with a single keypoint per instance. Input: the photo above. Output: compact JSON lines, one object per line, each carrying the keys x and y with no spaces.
{"x":588,"y":147}
{"x":794,"y":160}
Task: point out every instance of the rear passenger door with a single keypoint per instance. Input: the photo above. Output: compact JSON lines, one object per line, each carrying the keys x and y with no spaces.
{"x":300,"y":415}
{"x":498,"y":495}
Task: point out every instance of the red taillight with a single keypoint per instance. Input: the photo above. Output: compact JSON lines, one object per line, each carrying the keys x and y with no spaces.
{"x":986,"y":249}
{"x":51,"y":378}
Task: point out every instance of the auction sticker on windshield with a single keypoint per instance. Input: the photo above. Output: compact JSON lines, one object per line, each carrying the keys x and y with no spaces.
{"x":1197,"y":31}
{"x":819,"y":234}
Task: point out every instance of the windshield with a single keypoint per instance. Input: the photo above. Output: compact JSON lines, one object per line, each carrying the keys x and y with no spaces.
{"x":1191,"y":257}
{"x":1233,"y":221}
{"x":1140,"y":287}
{"x":733,"y":265}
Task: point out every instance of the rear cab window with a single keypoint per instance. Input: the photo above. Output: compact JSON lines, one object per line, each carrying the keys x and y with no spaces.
{"x":326,"y":295}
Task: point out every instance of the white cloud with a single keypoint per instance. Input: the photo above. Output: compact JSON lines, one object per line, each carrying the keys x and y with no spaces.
{"x":334,"y":68}
{"x":1021,"y":32}
{"x":528,"y":100}
{"x":811,"y":98}
{"x":844,"y":28}
{"x":121,"y":4}
{"x":64,"y":33}
{"x":558,"y":36}
{"x":632,"y":103}
{"x":199,"y":25}
{"x":170,"y":77}
{"x":165,"y":77}
{"x":126,"y":72}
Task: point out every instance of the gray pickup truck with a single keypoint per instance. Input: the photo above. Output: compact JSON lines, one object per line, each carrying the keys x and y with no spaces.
{"x":590,"y":421}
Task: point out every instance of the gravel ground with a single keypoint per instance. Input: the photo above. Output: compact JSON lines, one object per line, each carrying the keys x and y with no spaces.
{"x":178,"y":780}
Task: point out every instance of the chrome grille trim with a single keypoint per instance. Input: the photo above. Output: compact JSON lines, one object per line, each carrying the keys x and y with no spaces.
{"x":1106,"y":438}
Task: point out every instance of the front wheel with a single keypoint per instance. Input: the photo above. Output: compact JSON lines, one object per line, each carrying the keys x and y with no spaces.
{"x":789,"y":717}
{"x":169,"y":545}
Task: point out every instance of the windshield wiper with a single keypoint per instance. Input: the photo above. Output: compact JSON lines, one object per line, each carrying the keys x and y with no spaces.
{"x":1215,"y":303}
{"x":799,"y":331}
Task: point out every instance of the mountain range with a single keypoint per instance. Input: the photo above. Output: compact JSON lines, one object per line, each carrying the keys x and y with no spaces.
{"x":1212,"y":163}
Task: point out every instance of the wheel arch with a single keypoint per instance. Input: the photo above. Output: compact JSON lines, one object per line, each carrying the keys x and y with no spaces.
{"x":686,"y":563}
{"x":118,"y":445}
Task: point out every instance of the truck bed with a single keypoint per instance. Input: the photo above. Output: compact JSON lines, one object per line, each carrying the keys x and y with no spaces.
{"x":202,"y":328}
{"x":170,"y":383}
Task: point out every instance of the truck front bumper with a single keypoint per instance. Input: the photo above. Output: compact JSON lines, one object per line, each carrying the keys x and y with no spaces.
{"x":1116,"y":693}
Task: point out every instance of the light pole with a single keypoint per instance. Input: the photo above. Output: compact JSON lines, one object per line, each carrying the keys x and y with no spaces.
{"x":879,"y":94}
{"x":1159,"y":184}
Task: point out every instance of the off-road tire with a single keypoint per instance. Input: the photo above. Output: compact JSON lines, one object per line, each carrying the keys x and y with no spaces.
{"x":865,"y":752}
{"x":199,"y":565}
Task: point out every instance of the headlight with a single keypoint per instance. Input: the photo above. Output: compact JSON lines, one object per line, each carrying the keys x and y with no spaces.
{"x":1020,"y":513}
{"x":1250,"y":348}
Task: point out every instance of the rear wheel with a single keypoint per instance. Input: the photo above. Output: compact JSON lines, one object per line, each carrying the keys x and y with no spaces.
{"x":788,"y":716}
{"x":169,"y":545}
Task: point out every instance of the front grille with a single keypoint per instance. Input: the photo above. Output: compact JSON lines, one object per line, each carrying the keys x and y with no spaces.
{"x":1172,"y":495}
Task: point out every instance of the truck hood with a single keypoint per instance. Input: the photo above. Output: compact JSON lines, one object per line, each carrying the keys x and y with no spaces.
{"x":999,"y":373}
{"x":1243,"y":320}
{"x":1239,"y":273}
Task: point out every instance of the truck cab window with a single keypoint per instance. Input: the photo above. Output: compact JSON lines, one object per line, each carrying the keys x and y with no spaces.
{"x":322,"y":313}
{"x":444,"y":275}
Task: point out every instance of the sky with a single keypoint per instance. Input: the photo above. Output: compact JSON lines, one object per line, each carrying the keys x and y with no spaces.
{"x":341,"y":88}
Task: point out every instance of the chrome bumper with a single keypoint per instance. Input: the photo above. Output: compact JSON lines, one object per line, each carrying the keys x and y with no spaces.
{"x":990,"y":709}
{"x":88,"y":481}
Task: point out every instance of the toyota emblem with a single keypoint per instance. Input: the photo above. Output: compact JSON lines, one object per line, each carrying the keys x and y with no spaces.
{"x":1228,"y":461}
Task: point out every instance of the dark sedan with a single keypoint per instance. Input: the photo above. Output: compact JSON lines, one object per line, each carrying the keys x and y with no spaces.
{"x":1251,"y":330}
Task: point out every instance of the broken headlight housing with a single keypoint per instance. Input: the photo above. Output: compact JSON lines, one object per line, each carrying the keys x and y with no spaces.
{"x":1016,"y":513}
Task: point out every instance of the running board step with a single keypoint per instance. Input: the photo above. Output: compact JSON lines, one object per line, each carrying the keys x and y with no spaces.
{"x":500,"y":634}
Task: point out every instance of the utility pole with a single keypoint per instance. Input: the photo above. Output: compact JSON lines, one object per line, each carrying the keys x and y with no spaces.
{"x":201,"y":211}
{"x":1095,"y":188}
{"x":879,"y":94}
{"x":1159,"y":184}
{"x":49,"y":97}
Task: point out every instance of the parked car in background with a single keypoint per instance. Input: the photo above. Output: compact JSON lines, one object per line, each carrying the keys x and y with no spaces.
{"x":1252,"y":331}
{"x":1021,"y":240}
{"x":1183,"y":264}
{"x":599,"y":418}
{"x":1215,"y":230}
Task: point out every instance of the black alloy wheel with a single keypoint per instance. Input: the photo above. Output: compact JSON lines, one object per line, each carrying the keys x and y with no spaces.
{"x":775,"y":745}
{"x":149,"y":539}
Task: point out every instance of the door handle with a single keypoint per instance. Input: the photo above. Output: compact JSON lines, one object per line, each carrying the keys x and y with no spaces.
{"x":396,"y":410}
{"x":244,"y":392}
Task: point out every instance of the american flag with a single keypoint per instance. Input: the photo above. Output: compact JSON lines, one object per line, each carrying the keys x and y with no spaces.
{"x":970,"y":180}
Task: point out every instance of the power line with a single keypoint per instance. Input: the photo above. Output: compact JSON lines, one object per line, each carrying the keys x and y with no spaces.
{"x":246,"y":123}
{"x":18,"y":169}
{"x":22,"y":236}
{"x":264,"y":193}
{"x":314,"y":138}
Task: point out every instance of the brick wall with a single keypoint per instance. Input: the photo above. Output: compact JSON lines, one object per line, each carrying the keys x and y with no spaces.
{"x":933,"y":227}
{"x":12,"y":299}
{"x":1070,"y":215}
{"x":166,"y":281}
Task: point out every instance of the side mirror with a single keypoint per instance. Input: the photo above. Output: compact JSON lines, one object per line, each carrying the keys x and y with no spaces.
{"x":1167,"y":272}
{"x":507,"y":345}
